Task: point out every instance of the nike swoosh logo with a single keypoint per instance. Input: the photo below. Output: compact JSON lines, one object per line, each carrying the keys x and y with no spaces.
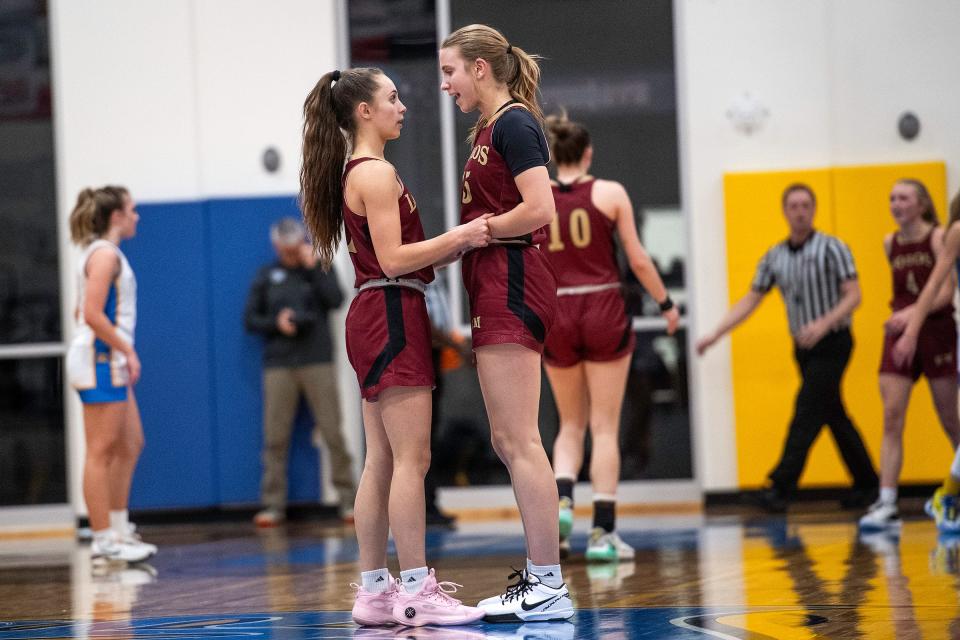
{"x":527,"y":606}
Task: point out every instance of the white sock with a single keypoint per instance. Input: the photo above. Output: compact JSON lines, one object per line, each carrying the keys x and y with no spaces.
{"x":375,"y":581}
{"x":104,"y":536}
{"x":888,"y":495}
{"x":412,"y":579}
{"x":955,"y":466}
{"x":549,"y":574}
{"x":120,"y":522}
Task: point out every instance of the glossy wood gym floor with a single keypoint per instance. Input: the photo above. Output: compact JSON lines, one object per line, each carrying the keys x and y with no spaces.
{"x":740,"y":575}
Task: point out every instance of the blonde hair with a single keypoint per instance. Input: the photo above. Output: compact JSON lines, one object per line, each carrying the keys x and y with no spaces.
{"x":923,"y":195}
{"x":90,"y":218}
{"x":509,"y":64}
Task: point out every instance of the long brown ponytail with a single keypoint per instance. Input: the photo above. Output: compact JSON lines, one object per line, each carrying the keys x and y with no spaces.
{"x":90,"y":218}
{"x":510,"y":64}
{"x":929,"y":210}
{"x":327,"y":116}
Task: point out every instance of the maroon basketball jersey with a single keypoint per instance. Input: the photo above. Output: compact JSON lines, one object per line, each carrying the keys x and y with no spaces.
{"x":911,"y":264}
{"x":488,"y":185}
{"x":360,"y":245}
{"x":580,"y":246}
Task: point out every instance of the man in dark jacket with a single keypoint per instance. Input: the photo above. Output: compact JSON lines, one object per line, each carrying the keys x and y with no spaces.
{"x":288,"y":304}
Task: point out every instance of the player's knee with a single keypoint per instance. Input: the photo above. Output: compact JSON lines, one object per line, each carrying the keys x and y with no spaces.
{"x":512,"y":447}
{"x":416,"y":463}
{"x":134,"y":445}
{"x":893,"y":418}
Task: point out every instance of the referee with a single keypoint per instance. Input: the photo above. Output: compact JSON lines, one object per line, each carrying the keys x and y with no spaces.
{"x":818,"y":281}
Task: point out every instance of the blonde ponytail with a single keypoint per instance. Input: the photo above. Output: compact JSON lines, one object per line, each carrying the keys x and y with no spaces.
{"x":82,"y":216}
{"x":90,"y":218}
{"x":510,"y":65}
{"x":524,"y":83}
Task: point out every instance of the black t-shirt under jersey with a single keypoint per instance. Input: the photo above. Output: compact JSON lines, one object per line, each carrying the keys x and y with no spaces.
{"x":520,"y":141}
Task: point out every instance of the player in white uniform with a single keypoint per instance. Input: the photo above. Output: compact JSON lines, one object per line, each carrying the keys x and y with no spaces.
{"x":102,"y":366}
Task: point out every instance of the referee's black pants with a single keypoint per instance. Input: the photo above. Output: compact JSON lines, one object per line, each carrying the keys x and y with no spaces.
{"x":819,"y":403}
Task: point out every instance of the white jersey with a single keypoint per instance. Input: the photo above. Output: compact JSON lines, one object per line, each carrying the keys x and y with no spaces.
{"x":86,"y":351}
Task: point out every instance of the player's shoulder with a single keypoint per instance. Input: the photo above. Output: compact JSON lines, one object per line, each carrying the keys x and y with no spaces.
{"x":374,"y":168}
{"x":608,"y":187}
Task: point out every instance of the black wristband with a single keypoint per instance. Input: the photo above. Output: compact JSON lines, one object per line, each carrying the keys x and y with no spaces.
{"x":666,"y":305}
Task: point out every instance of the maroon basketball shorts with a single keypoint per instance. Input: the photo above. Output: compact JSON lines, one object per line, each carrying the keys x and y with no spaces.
{"x":592,"y":326}
{"x":513,"y":295}
{"x":388,"y":340}
{"x":936,"y":355}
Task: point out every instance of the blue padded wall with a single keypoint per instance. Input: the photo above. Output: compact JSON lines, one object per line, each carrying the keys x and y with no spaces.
{"x":200,"y":393}
{"x":168,"y":255}
{"x":239,"y":245}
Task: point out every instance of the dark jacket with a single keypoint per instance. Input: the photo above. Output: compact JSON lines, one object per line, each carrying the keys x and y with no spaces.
{"x":311,"y":294}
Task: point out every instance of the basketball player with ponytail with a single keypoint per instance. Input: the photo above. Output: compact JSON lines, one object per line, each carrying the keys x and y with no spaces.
{"x":587,"y":354}
{"x":512,"y":291}
{"x":387,"y":330}
{"x":103,"y":366}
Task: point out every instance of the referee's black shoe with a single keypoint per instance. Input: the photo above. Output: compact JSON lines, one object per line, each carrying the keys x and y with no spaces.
{"x":771,"y":499}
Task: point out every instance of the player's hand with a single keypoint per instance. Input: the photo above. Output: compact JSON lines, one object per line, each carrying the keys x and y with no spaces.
{"x":672,"y":316}
{"x":705,"y":343}
{"x":811,"y":333}
{"x":898,"y":321}
{"x":133,"y":367}
{"x":475,"y":233}
{"x":904,"y":349}
{"x":285,"y":322}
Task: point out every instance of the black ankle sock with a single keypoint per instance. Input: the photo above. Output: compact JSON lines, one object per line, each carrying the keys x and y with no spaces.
{"x":605,"y":514}
{"x":565,"y":488}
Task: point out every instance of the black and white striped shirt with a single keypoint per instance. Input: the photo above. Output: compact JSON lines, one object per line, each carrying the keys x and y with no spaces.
{"x":809,"y":277}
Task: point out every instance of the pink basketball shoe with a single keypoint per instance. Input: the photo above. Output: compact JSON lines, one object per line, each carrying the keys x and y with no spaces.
{"x":433,"y":605}
{"x":375,"y":609}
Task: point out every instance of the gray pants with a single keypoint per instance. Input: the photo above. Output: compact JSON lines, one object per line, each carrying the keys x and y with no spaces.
{"x":282,"y":387}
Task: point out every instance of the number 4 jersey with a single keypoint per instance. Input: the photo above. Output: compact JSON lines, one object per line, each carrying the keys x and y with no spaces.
{"x":911,"y":264}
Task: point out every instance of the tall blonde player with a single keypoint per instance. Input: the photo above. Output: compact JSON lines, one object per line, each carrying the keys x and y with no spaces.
{"x":512,"y":292}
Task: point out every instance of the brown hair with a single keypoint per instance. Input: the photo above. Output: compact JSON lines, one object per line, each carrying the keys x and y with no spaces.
{"x":327,"y":115}
{"x":930,"y":211}
{"x":797,"y":186}
{"x":568,"y":139}
{"x":954,"y":209}
{"x":510,"y":64}
{"x":90,"y":218}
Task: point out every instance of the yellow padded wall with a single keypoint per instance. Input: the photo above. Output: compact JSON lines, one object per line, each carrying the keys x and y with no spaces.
{"x":852,"y":204}
{"x":863,"y":218}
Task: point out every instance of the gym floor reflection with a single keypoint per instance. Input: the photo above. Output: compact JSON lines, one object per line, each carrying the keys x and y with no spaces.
{"x":695,"y":576}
